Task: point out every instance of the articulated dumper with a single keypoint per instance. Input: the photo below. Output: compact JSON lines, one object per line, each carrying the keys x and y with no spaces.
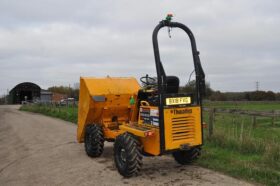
{"x":153,"y":119}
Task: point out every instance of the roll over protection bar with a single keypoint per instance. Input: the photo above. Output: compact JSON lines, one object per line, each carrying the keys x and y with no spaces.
{"x":200,"y":76}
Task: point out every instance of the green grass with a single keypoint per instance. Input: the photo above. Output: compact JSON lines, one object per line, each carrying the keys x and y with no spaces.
{"x":66,"y":113}
{"x":248,"y":166}
{"x":240,"y":150}
{"x":236,"y":147}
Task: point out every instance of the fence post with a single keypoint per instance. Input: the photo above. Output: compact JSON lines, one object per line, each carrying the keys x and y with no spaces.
{"x":241,"y":130}
{"x":273,"y":118}
{"x":254,"y":121}
{"x":211,"y":122}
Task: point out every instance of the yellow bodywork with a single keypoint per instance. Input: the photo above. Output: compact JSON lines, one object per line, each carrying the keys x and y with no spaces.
{"x":182,"y":127}
{"x":102,"y":100}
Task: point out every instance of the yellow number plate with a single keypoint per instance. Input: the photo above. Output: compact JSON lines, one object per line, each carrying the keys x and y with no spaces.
{"x":178,"y":101}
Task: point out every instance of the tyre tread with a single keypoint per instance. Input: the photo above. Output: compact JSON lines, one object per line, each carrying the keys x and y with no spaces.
{"x":94,"y":149}
{"x":134,"y":157}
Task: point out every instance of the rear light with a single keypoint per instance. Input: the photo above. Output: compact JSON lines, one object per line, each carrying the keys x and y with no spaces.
{"x":149,"y":133}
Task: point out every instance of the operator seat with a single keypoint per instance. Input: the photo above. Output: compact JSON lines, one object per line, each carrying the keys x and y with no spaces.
{"x":172,"y":84}
{"x":172,"y":87}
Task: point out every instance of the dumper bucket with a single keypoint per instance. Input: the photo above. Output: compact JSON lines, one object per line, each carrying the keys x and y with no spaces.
{"x":104,"y":100}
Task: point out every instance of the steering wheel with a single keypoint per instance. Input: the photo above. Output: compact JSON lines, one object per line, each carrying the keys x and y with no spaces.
{"x":148,"y":81}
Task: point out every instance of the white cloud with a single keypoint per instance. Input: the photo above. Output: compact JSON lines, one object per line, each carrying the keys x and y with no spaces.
{"x":56,"y":42}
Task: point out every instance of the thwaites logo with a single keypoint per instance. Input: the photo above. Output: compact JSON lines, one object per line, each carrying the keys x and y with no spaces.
{"x":181,"y":111}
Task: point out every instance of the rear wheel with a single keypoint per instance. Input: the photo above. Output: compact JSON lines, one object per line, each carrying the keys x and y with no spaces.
{"x":128,"y":158}
{"x":186,"y":157}
{"x":94,"y":140}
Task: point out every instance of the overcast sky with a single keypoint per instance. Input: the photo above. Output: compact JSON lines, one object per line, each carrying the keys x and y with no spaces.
{"x":54,"y":42}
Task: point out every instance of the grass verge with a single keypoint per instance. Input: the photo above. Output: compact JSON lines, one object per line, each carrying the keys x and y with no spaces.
{"x":62,"y":112}
{"x":250,"y":167}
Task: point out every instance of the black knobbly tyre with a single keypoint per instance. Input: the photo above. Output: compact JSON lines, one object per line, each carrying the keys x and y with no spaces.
{"x":186,"y":157}
{"x":127,"y":155}
{"x":94,"y":140}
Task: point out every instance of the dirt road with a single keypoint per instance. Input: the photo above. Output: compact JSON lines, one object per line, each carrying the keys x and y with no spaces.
{"x":39,"y":150}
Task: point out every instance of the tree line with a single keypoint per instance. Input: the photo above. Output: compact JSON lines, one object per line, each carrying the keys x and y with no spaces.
{"x":244,"y":96}
{"x":216,"y":95}
{"x":69,"y":91}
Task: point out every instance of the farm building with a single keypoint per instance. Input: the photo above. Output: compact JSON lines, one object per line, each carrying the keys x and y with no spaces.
{"x":26,"y":91}
{"x":30,"y":92}
{"x":57,"y":97}
{"x":46,"y":96}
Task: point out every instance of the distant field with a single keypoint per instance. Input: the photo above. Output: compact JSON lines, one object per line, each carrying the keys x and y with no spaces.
{"x":246,"y":105}
{"x":236,"y":147}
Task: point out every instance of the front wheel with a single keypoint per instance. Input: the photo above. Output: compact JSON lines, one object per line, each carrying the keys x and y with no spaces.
{"x":94,"y":140}
{"x":128,"y":158}
{"x":187,"y":157}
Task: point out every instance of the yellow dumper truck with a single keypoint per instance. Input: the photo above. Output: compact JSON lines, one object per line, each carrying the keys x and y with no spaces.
{"x":154,"y":119}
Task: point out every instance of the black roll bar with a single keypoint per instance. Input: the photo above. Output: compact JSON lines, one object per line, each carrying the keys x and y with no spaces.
{"x":200,"y":76}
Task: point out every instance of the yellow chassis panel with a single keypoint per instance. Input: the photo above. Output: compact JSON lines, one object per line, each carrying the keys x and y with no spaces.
{"x":136,"y":130}
{"x":182,"y":127}
{"x":151,"y":144}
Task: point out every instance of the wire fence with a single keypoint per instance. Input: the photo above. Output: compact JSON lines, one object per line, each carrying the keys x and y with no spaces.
{"x":212,"y":113}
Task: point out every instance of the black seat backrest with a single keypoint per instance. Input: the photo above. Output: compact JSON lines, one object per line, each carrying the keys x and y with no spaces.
{"x":172,"y":84}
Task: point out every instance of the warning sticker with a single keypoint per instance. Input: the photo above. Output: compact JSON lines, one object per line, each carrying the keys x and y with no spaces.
{"x":149,"y":116}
